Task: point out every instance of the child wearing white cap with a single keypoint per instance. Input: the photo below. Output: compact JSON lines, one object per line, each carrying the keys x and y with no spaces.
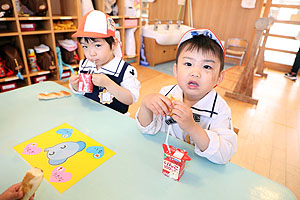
{"x":198,"y":115}
{"x":110,"y":74}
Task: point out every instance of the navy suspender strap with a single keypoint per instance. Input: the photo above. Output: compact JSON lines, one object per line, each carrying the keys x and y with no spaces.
{"x":213,"y":108}
{"x":116,"y":105}
{"x":170,"y":90}
{"x":214,"y":104}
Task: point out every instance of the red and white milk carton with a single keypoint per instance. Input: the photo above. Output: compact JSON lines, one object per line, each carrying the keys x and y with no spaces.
{"x":85,"y":83}
{"x":174,"y":162}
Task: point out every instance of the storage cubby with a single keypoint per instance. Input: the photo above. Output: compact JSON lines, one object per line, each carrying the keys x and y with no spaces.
{"x":43,"y":33}
{"x":34,"y":25}
{"x":8,"y":27}
{"x":65,"y":8}
{"x":125,"y":22}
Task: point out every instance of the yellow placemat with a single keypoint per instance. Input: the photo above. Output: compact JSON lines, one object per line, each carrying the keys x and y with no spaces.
{"x":65,"y":155}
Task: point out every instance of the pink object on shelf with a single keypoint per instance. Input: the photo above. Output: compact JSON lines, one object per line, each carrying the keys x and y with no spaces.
{"x":130,"y":22}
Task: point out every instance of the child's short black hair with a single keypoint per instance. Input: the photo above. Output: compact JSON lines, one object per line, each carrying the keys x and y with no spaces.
{"x":110,"y":40}
{"x":204,"y":43}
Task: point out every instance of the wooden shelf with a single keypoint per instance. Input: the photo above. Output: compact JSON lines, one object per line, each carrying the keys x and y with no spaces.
{"x":44,"y":34}
{"x":64,"y":31}
{"x":38,"y":73}
{"x":33,"y":18}
{"x":64,"y":17}
{"x":8,"y":19}
{"x":35,"y":32}
{"x":11,"y":78}
{"x":74,"y":66}
{"x":9,"y":34}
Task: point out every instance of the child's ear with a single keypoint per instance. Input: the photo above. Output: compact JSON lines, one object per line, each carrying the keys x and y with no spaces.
{"x":175,"y":70}
{"x":221,"y":77}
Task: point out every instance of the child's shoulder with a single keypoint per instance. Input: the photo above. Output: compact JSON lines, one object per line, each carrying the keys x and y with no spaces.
{"x":221,"y":104}
{"x":169,"y":89}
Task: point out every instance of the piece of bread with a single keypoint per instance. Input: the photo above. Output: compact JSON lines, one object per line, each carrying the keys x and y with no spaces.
{"x":172,"y":99}
{"x":31,"y":182}
{"x":53,"y":95}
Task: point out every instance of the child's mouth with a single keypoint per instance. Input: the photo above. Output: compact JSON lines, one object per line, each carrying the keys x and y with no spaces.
{"x":193,"y":84}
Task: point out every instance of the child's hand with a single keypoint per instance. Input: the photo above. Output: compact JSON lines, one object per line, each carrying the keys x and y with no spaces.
{"x":100,"y":80}
{"x":12,"y":193}
{"x":183,"y":115}
{"x":74,"y":81}
{"x":158,"y":104}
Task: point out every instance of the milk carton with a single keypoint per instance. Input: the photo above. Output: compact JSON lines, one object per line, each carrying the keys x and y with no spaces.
{"x":174,"y":162}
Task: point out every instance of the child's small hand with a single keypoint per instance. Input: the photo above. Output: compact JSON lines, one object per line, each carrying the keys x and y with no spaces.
{"x":183,"y":115}
{"x":74,"y":81}
{"x":100,"y":80}
{"x":158,"y":104}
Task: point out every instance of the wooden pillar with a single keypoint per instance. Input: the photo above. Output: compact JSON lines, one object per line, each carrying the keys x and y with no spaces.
{"x":244,"y":86}
{"x":261,"y":53}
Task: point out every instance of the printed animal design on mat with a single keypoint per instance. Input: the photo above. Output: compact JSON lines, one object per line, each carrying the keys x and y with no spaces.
{"x":97,"y":151}
{"x":61,"y":152}
{"x":65,"y":132}
{"x":59,"y":175}
{"x":32,"y":149}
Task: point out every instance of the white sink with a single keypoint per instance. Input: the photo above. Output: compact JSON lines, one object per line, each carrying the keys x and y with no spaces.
{"x":164,"y":36}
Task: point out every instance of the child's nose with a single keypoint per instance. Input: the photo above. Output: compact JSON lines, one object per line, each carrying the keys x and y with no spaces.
{"x":196,"y":73}
{"x":92,"y":52}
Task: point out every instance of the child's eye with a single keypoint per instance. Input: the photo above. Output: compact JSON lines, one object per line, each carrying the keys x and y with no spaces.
{"x":84,"y":47}
{"x":207,"y":67}
{"x":97,"y":45}
{"x":188,"y":64}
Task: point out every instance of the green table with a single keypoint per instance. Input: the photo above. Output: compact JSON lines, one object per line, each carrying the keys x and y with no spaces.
{"x":134,"y":172}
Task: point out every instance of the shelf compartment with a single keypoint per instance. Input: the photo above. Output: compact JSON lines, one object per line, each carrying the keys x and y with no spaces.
{"x":8,"y":27}
{"x":65,"y":25}
{"x":35,"y":26}
{"x":64,"y":8}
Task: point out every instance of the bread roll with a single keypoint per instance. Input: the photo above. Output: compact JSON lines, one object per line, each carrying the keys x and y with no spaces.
{"x":53,"y":95}
{"x":172,"y":99}
{"x":31,"y":182}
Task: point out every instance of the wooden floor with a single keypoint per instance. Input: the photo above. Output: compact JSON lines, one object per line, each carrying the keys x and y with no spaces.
{"x":269,"y":133}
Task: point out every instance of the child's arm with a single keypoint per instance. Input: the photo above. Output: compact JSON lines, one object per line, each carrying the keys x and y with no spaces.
{"x":156,"y":104}
{"x":218,"y":143}
{"x":123,"y":95}
{"x":183,"y":115}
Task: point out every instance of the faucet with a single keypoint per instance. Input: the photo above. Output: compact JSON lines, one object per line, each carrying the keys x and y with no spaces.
{"x":156,"y":25}
{"x":178,"y":23}
{"x":168,"y":24}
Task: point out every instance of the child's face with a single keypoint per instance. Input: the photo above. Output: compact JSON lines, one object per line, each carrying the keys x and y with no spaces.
{"x":97,"y":51}
{"x":197,"y":73}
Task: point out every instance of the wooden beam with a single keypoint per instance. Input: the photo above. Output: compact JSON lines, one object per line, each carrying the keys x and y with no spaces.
{"x":244,"y":86}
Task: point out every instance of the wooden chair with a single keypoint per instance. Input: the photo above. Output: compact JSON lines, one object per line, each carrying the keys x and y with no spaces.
{"x":236,"y":48}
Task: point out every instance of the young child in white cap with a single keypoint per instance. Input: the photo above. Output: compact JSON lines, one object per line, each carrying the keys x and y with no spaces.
{"x":198,"y":115}
{"x":110,"y":74}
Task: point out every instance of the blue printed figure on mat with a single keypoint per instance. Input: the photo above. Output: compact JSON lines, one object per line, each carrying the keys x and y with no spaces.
{"x":61,"y":152}
{"x":97,"y":151}
{"x":65,"y":132}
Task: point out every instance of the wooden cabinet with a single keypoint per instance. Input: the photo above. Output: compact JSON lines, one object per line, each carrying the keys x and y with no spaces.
{"x":124,"y":23}
{"x":156,"y":53}
{"x":44,"y":33}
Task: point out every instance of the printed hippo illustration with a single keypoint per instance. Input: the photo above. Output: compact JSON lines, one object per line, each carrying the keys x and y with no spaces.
{"x":61,"y":152}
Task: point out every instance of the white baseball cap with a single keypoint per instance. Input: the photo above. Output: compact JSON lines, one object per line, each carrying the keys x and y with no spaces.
{"x":194,"y":32}
{"x":96,"y":24}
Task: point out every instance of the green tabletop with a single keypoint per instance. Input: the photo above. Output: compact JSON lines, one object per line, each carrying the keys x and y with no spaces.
{"x":134,"y":172}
